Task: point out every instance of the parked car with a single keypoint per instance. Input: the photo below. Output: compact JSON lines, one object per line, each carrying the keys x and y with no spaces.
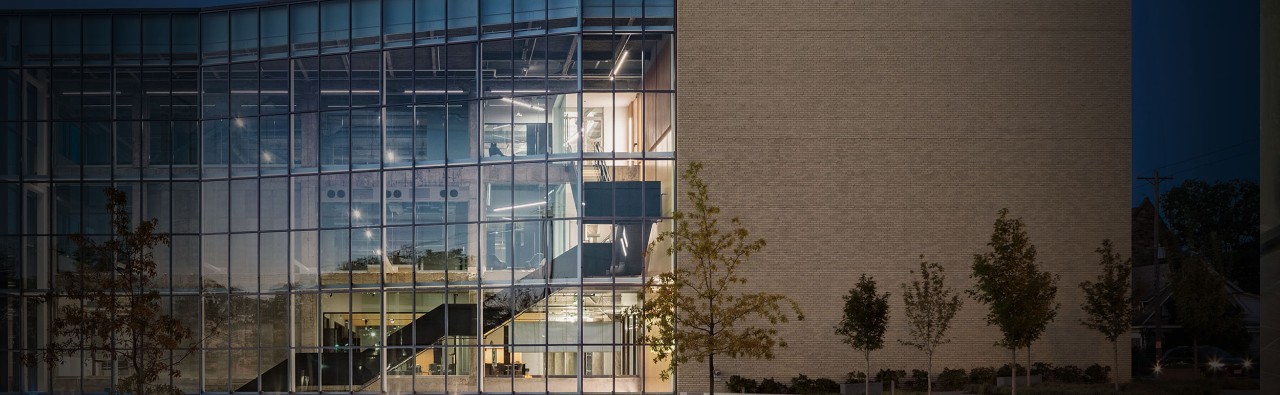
{"x":1212,"y":361}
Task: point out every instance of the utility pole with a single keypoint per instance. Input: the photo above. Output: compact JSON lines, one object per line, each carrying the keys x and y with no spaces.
{"x":1155,"y":257}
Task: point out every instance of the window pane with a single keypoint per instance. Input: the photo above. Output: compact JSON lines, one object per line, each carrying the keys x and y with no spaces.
{"x":463,"y":136}
{"x":306,"y":84}
{"x":496,"y":137}
{"x":335,"y":259}
{"x":275,"y":32}
{"x":397,"y":22}
{"x":462,"y":198}
{"x":335,"y":141}
{"x":131,"y":102}
{"x":186,"y":43}
{"x":274,"y":203}
{"x":155,"y":39}
{"x":275,"y":144}
{"x":399,"y":197}
{"x":243,"y":270}
{"x":335,"y":198}
{"x":399,"y":137}
{"x":429,"y":74}
{"x":430,"y":194}
{"x":185,"y":195}
{"x":335,"y":82}
{"x":303,"y":259}
{"x":496,"y":192}
{"x":496,"y":61}
{"x":495,"y":16}
{"x":462,"y":19}
{"x":428,"y":21}
{"x":366,"y":24}
{"x":305,"y":143}
{"x":97,"y":94}
{"x":97,"y":161}
{"x":215,"y":91}
{"x":97,"y":39}
{"x":244,"y":203}
{"x":529,"y":126}
{"x":214,"y":34}
{"x":213,"y":262}
{"x":335,"y":26}
{"x":244,"y":35}
{"x":244,"y":89}
{"x":128,"y":149}
{"x":366,"y":79}
{"x":11,"y":29}
{"x":66,"y":150}
{"x":366,"y":139}
{"x":185,"y":93}
{"x":399,"y":76}
{"x":273,"y":96}
{"x":530,"y":16}
{"x":186,"y":149}
{"x":564,"y":118}
{"x":562,"y":15}
{"x":244,"y":146}
{"x":530,"y":67}
{"x":213,"y":206}
{"x":306,"y":197}
{"x":215,"y":147}
{"x":429,"y":133}
{"x":366,"y":199}
{"x":273,"y":267}
{"x":304,"y":27}
{"x":35,"y":40}
{"x":462,"y":71}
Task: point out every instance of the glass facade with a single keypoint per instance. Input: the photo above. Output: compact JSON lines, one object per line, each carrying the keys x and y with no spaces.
{"x":363,"y":195}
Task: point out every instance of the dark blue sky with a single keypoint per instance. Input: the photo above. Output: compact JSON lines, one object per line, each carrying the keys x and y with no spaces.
{"x":1195,"y":91}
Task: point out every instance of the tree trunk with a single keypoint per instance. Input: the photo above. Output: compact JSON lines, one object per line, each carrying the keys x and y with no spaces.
{"x":929,"y":379}
{"x":711,"y":374}
{"x":1195,"y":352}
{"x":1115,"y":364}
{"x":1013,"y":372}
{"x":867,"y":383}
{"x":1028,"y":365}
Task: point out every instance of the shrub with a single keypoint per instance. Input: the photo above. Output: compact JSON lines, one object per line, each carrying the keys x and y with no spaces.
{"x":770,"y":386}
{"x":951,"y":380}
{"x":1096,"y":373}
{"x":1004,"y":370}
{"x":888,"y":375}
{"x":982,"y":375}
{"x":1066,"y":374}
{"x":826,"y":386}
{"x":1042,"y":368}
{"x":802,"y":385}
{"x":742,"y":384}
{"x":855,"y":377}
{"x":919,"y":380}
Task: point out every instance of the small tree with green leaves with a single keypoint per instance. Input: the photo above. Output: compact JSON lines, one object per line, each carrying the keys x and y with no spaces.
{"x":1020,"y":297}
{"x":113,"y":305}
{"x":866,"y":316}
{"x":699,"y":310}
{"x":1109,"y":301}
{"x":930,"y":307}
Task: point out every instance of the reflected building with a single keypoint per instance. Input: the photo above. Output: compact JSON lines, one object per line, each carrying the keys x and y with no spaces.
{"x":363,"y":195}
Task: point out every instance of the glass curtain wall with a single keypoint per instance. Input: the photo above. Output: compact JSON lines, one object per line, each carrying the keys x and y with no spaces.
{"x":363,"y":195}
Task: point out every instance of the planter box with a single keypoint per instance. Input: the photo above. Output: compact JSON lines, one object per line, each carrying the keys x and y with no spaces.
{"x":1022,"y":380}
{"x":877,"y":388}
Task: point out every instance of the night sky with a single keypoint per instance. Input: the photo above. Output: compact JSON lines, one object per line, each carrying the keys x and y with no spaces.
{"x":1195,"y":91}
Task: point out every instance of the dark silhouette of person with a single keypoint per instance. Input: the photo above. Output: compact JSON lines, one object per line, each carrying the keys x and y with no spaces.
{"x":494,"y":150}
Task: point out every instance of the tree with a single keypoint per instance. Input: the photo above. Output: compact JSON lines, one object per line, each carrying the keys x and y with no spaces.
{"x":1020,"y":297}
{"x":930,"y":306}
{"x":1203,"y":307}
{"x":1109,"y":301}
{"x":1219,"y":216}
{"x":695,"y":312}
{"x":115,"y":307}
{"x":866,"y":316}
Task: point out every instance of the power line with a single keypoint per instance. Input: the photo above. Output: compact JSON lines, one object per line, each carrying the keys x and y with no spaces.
{"x":1166,"y":165}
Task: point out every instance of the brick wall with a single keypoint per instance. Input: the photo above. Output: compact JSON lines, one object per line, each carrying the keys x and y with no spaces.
{"x":856,"y":135}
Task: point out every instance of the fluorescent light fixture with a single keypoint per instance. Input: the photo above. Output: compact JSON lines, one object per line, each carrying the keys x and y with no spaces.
{"x":509,"y":100}
{"x":621,"y":59}
{"x":355,"y":214}
{"x":519,"y":206}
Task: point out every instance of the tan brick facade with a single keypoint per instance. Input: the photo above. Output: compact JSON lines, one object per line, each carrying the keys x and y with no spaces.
{"x":856,"y":135}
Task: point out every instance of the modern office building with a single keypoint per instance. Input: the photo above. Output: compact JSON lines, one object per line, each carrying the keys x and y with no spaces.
{"x":455,"y":195}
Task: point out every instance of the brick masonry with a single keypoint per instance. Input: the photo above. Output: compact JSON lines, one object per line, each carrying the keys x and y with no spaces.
{"x":856,"y":135}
